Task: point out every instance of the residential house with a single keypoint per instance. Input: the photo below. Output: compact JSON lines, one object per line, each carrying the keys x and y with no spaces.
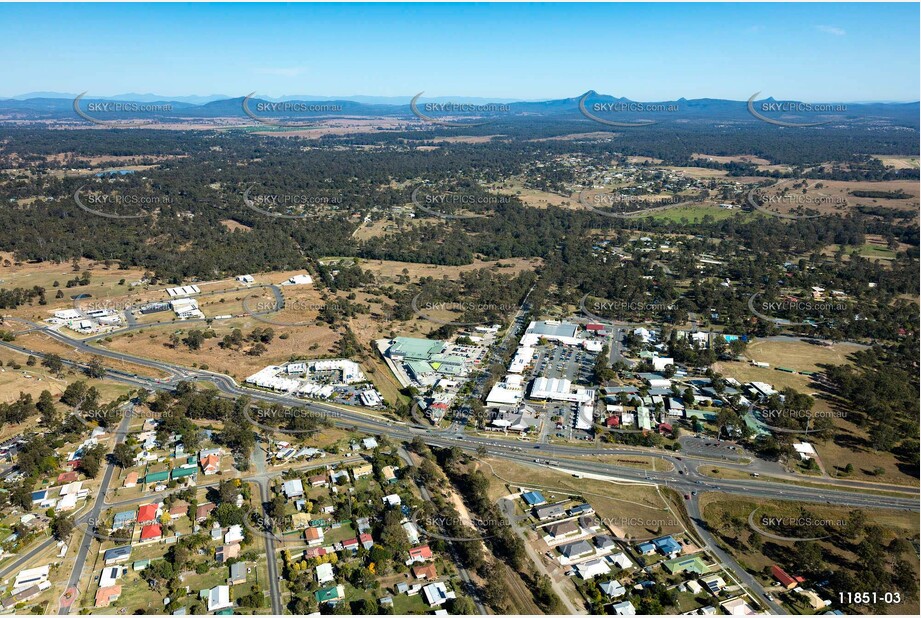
{"x":107,"y":594}
{"x":425,"y":571}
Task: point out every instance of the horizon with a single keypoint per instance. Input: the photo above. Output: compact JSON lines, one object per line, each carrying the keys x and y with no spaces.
{"x":439,"y":97}
{"x":808,"y":52}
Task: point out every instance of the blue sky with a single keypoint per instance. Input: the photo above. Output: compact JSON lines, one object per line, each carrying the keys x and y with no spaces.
{"x":810,"y":52}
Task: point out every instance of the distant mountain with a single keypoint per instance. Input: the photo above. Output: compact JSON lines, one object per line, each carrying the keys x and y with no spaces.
{"x":52,"y":105}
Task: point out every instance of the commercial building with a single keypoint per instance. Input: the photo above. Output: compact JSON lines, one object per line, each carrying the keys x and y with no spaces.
{"x":550,"y":330}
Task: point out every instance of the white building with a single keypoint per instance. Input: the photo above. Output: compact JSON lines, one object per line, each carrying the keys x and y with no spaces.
{"x":551,"y":330}
{"x":304,"y":279}
{"x":324,"y":573}
{"x":219,"y":598}
{"x":560,"y":389}
{"x":509,"y":392}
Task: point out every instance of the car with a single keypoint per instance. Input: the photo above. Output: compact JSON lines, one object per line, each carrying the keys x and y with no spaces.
{"x":693,"y":493}
{"x":680,"y":471}
{"x":687,"y":497}
{"x":537,"y":446}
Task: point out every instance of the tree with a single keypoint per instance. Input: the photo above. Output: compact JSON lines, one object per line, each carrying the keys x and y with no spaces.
{"x":461,"y":606}
{"x":62,"y":527}
{"x":91,"y":461}
{"x":95,"y":369}
{"x":53,"y":363}
{"x":123,"y":455}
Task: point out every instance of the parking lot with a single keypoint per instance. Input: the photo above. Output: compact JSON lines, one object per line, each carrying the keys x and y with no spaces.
{"x":573,"y":364}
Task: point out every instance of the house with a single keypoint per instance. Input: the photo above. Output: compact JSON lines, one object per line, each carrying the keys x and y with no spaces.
{"x":9,"y":603}
{"x":350,"y":545}
{"x":593,"y":568}
{"x":362,"y":471}
{"x":219,"y":599}
{"x":392,"y":500}
{"x":210,"y":464}
{"x":203,"y":511}
{"x":646,"y":549}
{"x":575,"y":550}
{"x":293,"y":488}
{"x":564,"y":529}
{"x":333,"y":594}
{"x":694,"y":587}
{"x":419,"y":554}
{"x":314,"y":552}
{"x":714,"y":583}
{"x":313,"y":536}
{"x":123,"y":519}
{"x":620,"y":560}
{"x":237,"y":573}
{"x":693,"y":564}
{"x":319,"y":480}
{"x":550,"y":511}
{"x":389,"y":474}
{"x":179,"y":508}
{"x":581,"y":509}
{"x":737,"y":607}
{"x":613,"y":589}
{"x":234,"y":534}
{"x":366,"y":541}
{"x":425,"y":571}
{"x":412,"y":532}
{"x":667,"y":545}
{"x":148,"y":514}
{"x":31,"y":577}
{"x":324,"y":573}
{"x":369,"y":443}
{"x":117,"y":555}
{"x":227,"y":552}
{"x":151,"y":533}
{"x":624,"y":608}
{"x":604,"y":541}
{"x":533,"y":498}
{"x":131,"y":480}
{"x":66,"y":477}
{"x":107,"y":594}
{"x":109,"y":576}
{"x":787,"y":581}
{"x":436,"y":594}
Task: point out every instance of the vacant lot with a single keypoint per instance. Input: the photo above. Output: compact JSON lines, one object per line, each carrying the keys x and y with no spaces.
{"x":728,"y":517}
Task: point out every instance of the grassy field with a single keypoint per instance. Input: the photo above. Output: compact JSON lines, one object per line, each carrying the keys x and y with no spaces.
{"x":629,"y":506}
{"x":728,"y":517}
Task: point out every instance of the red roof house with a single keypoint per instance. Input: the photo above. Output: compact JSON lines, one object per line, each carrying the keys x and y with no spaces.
{"x":147,"y":514}
{"x":785,"y":579}
{"x":151,"y":532}
{"x":612,"y":421}
{"x":420,"y":554}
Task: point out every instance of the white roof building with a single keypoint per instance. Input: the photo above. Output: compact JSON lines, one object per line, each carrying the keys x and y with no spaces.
{"x":437,"y":593}
{"x":593,"y":568}
{"x":324,"y":573}
{"x":219,"y":598}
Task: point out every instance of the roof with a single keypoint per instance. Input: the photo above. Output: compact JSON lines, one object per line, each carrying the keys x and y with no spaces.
{"x":105,"y":595}
{"x":328,"y":594}
{"x":148,"y":512}
{"x":117,"y":552}
{"x":423,"y":551}
{"x":425,"y":571}
{"x":152,"y":531}
{"x":533,"y":498}
{"x":575,"y":549}
{"x":563,"y":528}
{"x":667,"y":545}
{"x":688,"y":563}
{"x":783,"y":577}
